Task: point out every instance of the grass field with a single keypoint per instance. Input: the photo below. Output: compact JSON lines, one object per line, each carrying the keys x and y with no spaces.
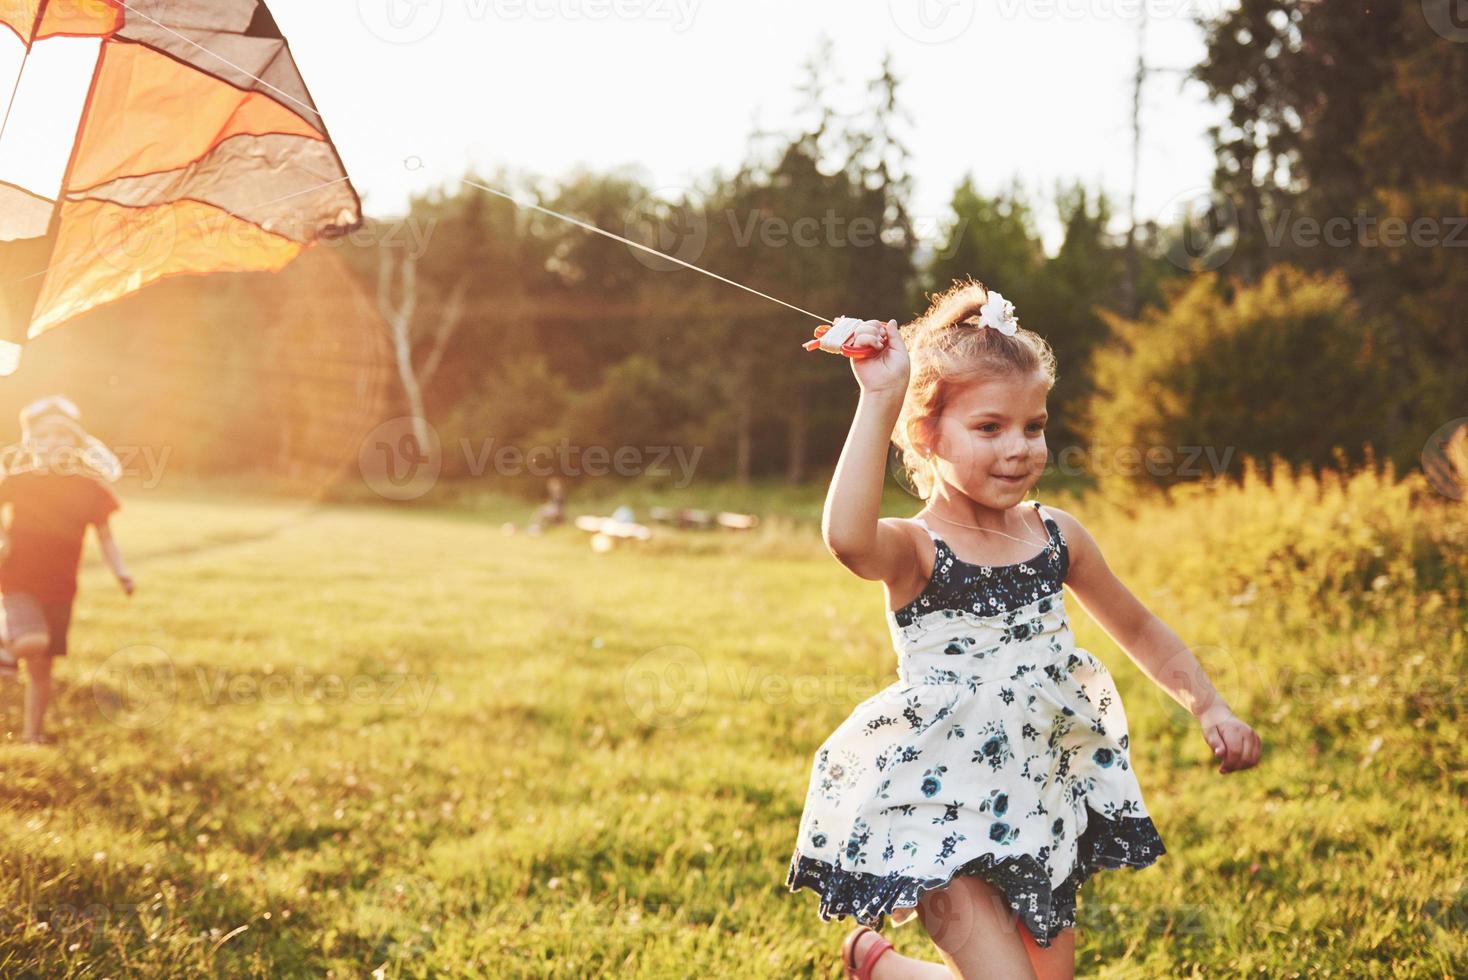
{"x":356,"y":741}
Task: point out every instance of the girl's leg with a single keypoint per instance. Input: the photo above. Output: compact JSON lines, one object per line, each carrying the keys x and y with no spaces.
{"x":37,"y":693}
{"x":1056,"y":961}
{"x":975,"y":931}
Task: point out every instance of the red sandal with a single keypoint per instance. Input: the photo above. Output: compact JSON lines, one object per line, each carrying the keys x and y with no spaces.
{"x":848,"y":951}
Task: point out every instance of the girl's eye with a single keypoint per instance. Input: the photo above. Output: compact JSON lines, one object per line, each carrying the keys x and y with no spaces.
{"x":992,"y":426}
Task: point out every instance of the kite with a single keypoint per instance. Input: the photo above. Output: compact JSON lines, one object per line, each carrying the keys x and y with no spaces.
{"x":196,"y":149}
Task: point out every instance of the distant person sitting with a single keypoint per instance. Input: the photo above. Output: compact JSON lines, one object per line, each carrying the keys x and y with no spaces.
{"x":54,"y":488}
{"x":553,"y":511}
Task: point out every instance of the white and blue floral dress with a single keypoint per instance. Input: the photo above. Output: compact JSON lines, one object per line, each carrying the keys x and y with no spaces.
{"x":1001,"y":751}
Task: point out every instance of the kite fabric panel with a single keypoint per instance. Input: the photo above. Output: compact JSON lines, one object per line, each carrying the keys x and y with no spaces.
{"x":35,"y":20}
{"x":199,"y":150}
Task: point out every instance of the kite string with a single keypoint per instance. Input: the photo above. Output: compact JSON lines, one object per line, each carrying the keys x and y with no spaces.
{"x":15,"y":90}
{"x":627,"y":241}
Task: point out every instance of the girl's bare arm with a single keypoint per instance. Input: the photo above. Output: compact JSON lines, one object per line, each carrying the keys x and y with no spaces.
{"x":112,"y":554}
{"x":871,"y":548}
{"x":1155,"y":648}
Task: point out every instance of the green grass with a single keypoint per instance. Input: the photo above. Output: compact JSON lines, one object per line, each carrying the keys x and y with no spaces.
{"x":344,"y":739}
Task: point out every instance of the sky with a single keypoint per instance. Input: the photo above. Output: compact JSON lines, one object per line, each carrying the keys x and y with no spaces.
{"x":417,"y":91}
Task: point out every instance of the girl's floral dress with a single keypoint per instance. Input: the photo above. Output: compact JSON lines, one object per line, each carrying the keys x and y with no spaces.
{"x":1001,"y":751}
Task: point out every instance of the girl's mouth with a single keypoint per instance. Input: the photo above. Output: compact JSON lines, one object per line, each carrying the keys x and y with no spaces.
{"x":1010,"y":480}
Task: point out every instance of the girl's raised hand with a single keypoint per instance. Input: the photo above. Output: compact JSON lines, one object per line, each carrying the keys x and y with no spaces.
{"x":1234,"y":744}
{"x":884,"y":372}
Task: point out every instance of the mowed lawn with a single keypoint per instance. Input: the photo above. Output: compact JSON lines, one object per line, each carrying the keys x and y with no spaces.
{"x":355,"y":741}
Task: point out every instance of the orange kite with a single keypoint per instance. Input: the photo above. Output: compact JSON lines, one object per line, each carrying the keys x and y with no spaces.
{"x":198,"y":150}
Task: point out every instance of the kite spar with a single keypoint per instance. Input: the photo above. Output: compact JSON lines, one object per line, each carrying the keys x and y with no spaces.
{"x":198,"y":150}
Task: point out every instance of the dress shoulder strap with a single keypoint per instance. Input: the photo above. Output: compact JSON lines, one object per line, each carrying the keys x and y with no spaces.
{"x":924,"y":525}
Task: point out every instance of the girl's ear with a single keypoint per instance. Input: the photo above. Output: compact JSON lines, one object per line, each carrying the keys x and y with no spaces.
{"x":925,"y":438}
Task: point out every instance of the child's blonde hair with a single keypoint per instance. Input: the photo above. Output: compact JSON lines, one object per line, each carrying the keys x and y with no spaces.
{"x":947,"y":348}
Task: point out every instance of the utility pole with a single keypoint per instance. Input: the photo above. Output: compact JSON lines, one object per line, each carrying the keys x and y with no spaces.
{"x":1131,"y":287}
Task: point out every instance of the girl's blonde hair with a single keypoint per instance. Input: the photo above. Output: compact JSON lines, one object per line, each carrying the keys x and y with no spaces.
{"x":947,"y":348}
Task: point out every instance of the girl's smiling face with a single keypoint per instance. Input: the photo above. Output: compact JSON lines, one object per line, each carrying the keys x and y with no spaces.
{"x":990,"y":439}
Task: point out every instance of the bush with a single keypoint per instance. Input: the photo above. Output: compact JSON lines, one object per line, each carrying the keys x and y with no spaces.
{"x":1288,"y":367}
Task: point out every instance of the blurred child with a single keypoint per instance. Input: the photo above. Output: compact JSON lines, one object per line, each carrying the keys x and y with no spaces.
{"x":54,"y":490}
{"x":553,"y":511}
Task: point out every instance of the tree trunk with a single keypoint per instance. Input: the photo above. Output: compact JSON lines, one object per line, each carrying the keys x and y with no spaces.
{"x":399,"y":319}
{"x":743,"y":436}
{"x":799,"y":430}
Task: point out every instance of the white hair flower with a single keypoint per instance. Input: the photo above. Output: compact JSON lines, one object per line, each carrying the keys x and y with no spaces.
{"x":998,"y":313}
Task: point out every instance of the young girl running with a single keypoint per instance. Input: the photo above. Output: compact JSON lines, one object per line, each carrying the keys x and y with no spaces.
{"x":986,"y":785}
